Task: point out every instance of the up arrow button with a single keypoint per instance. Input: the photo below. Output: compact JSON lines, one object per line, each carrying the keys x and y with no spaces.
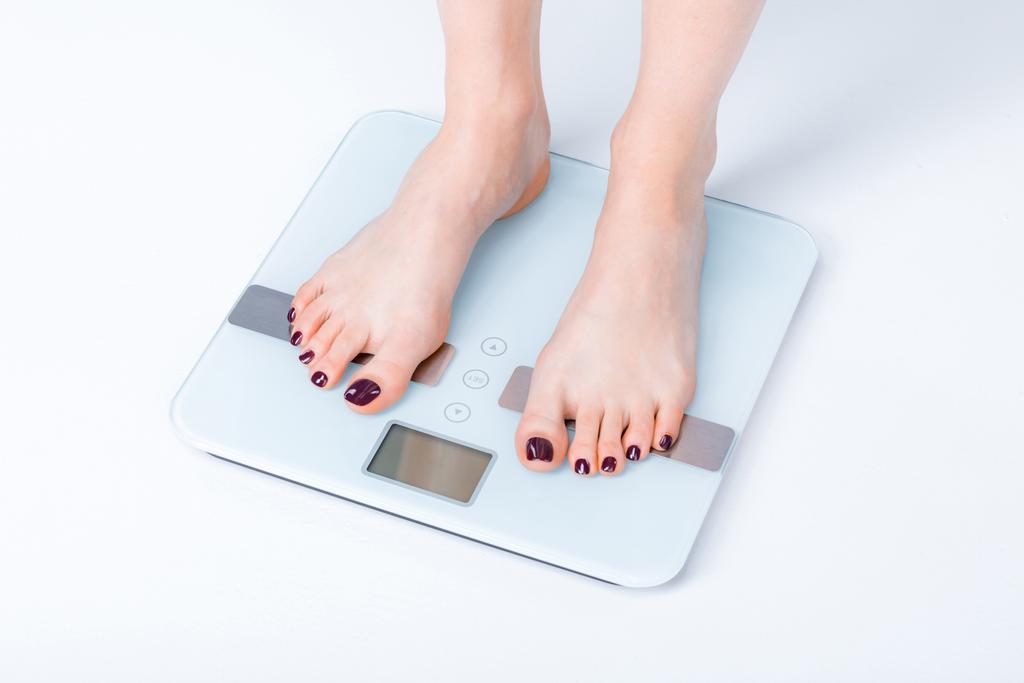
{"x":494,"y":346}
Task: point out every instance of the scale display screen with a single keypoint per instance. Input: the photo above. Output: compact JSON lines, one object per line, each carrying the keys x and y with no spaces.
{"x":429,"y":463}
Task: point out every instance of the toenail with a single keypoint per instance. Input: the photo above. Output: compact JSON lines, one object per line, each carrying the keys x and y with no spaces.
{"x":665,"y":443}
{"x":319,"y":378}
{"x":582,"y":466}
{"x":291,"y":315}
{"x":305,"y":357}
{"x":608,"y":464}
{"x":296,"y":338}
{"x":362,"y":391}
{"x":539,"y":448}
{"x":633,"y":452}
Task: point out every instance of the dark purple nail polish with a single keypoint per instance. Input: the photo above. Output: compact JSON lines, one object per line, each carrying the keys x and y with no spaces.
{"x":633,"y":452}
{"x":319,"y":378}
{"x":296,"y":338}
{"x":539,"y":448}
{"x":305,"y":357}
{"x":291,"y":315}
{"x":582,"y":466}
{"x":609,"y":464}
{"x":362,"y":391}
{"x":665,"y":443}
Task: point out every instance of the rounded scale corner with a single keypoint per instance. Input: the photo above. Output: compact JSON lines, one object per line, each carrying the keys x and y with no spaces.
{"x":802,"y":234}
{"x":800,"y":231}
{"x":176,"y":415}
{"x":649,"y":575}
{"x":367,"y":119}
{"x":653,"y":577}
{"x":805,"y":234}
{"x":378,"y":114}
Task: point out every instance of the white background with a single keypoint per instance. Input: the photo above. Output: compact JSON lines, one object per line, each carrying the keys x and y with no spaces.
{"x":869,"y":527}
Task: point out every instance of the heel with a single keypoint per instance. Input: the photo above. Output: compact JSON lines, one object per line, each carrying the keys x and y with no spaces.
{"x":534,"y":188}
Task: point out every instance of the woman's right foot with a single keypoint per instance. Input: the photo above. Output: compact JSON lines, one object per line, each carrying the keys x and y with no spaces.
{"x":389,"y":290}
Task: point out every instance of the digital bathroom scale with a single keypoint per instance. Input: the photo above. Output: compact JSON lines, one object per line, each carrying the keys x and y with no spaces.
{"x":444,"y":455}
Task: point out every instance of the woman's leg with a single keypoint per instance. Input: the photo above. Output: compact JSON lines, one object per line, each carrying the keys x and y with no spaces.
{"x":389,"y":290}
{"x":622,"y":359}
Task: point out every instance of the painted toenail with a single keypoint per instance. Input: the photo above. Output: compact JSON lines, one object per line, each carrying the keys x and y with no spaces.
{"x":291,"y":315}
{"x":582,"y":466}
{"x":633,"y":452}
{"x":296,"y":338}
{"x":362,"y":391}
{"x":608,"y":464}
{"x":305,"y":357}
{"x":319,"y":378}
{"x":539,"y":448}
{"x":665,"y":443}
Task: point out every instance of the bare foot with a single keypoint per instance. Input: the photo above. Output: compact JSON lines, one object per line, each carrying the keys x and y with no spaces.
{"x":622,"y":358}
{"x":389,"y":290}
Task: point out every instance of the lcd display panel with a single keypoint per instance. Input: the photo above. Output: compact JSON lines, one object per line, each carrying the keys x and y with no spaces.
{"x":429,"y":463}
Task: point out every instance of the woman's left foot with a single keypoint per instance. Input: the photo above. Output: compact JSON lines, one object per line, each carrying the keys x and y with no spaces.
{"x":622,"y":359}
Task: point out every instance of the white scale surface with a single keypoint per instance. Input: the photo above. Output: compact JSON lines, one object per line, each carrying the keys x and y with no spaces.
{"x":250,"y":401}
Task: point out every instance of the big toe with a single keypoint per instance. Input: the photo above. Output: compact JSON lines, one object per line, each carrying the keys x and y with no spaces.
{"x":382,"y":381}
{"x":541,"y":439}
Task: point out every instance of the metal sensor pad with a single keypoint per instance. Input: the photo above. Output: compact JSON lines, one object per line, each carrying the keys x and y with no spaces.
{"x":265,"y":310}
{"x":701,"y":443}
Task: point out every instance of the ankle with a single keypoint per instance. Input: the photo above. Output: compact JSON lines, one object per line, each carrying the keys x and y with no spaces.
{"x":675,"y":149}
{"x":512,"y":109}
{"x":658,"y":172}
